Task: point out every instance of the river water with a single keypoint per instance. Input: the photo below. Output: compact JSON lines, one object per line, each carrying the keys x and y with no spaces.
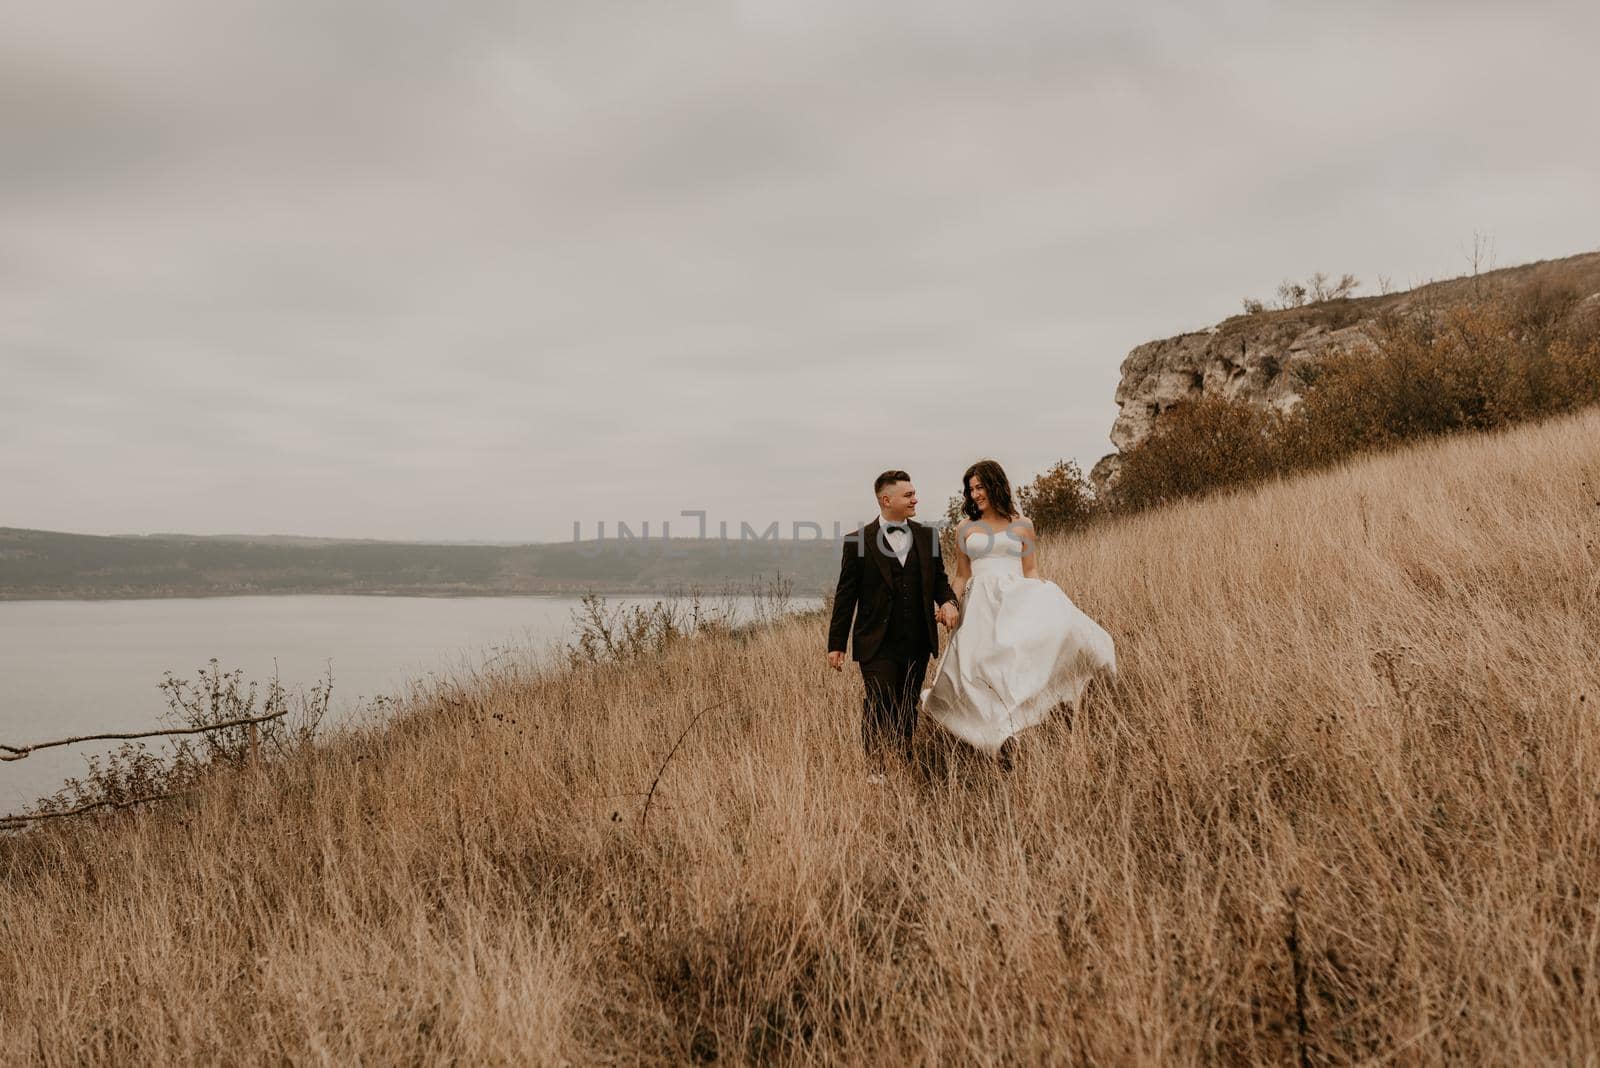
{"x":85,"y":667}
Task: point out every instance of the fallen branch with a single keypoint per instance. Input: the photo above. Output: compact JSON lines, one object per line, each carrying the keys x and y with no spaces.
{"x":651,"y":793}
{"x":11,"y":821}
{"x":12,"y":752}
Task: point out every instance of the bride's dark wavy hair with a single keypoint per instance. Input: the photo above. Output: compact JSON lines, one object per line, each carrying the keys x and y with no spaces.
{"x":995,"y":483}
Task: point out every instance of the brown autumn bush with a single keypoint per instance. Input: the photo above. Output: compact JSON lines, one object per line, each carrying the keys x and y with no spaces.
{"x":1059,"y":499}
{"x":1199,"y":446}
{"x":1468,"y":366}
{"x":132,"y":774}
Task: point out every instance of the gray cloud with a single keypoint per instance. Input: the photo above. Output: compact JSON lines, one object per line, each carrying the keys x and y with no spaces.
{"x":425,"y":270}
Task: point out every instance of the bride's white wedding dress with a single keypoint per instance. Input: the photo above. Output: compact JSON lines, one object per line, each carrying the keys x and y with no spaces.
{"x":1021,"y":647}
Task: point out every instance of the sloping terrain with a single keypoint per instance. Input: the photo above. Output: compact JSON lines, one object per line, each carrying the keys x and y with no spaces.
{"x":1340,"y":804}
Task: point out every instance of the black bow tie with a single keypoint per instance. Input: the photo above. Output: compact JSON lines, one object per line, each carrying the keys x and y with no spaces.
{"x":902,"y":527}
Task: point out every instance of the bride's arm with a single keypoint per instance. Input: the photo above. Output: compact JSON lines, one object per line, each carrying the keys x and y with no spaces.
{"x":1022,"y":527}
{"x":963,"y":564}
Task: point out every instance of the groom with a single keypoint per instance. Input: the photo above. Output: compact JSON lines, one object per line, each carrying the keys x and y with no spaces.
{"x":890,"y":579}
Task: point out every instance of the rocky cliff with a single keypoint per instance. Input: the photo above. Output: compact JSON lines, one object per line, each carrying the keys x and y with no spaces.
{"x":1255,"y":357}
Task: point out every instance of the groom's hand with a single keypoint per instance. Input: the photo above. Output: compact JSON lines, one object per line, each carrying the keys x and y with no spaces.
{"x":836,"y":659}
{"x":949,"y":614}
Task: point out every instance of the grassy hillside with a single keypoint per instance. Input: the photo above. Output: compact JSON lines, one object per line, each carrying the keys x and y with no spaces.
{"x":1341,"y":802}
{"x":49,"y":564}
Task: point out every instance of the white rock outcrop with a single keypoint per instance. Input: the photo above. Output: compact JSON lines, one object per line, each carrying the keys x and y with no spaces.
{"x":1255,"y":357}
{"x":1253,"y":362}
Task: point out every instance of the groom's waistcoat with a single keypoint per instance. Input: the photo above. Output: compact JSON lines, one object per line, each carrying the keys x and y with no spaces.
{"x":907,"y":635}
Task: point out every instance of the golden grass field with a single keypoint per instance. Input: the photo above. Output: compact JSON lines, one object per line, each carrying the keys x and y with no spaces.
{"x":1342,"y":805}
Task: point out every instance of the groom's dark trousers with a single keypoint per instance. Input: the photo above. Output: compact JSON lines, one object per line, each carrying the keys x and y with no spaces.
{"x":894,"y":633}
{"x":889,"y":710}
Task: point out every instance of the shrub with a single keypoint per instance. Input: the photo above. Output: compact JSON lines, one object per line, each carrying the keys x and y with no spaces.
{"x":1323,"y":288}
{"x":623,"y":634}
{"x":218,"y":696}
{"x":1317,"y":289}
{"x":1575,"y":369}
{"x":1200,"y":445}
{"x":953,"y":517}
{"x":635,"y":632}
{"x":132,"y":773}
{"x":1470,"y":366}
{"x":1059,"y":499}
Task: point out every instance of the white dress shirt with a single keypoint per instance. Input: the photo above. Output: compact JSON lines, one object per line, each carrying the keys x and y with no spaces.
{"x":898,"y":538}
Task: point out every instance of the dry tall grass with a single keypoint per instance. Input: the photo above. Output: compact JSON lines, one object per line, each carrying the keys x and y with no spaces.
{"x":1341,"y":806}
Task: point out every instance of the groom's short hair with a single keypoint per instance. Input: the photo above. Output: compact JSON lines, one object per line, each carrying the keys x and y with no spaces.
{"x":886,"y":478}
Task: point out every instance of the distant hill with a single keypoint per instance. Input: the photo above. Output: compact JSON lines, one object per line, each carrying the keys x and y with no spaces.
{"x":42,"y":564}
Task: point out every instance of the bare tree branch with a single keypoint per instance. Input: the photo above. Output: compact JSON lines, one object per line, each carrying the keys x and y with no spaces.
{"x":7,"y":822}
{"x":18,"y":752}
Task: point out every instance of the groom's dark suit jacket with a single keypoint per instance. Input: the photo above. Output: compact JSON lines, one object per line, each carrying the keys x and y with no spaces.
{"x":866,"y":586}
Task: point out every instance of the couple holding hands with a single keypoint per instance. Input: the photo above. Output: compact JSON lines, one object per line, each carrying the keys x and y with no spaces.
{"x":1018,"y":645}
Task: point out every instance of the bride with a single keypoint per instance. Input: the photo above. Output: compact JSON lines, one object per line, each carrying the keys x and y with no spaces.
{"x":1020,"y":646}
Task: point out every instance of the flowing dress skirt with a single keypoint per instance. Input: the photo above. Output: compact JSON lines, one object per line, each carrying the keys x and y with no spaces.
{"x":1020,"y":648}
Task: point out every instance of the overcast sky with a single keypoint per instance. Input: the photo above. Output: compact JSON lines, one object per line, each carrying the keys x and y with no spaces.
{"x":378,"y":268}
